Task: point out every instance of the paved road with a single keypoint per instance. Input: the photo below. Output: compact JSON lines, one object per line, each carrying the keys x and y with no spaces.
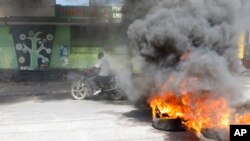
{"x":59,"y":118}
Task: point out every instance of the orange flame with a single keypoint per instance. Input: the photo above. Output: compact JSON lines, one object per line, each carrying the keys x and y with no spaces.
{"x":197,"y":113}
{"x":242,"y":118}
{"x":198,"y":110}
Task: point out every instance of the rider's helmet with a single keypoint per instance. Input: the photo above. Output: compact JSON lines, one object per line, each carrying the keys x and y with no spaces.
{"x":100,"y":55}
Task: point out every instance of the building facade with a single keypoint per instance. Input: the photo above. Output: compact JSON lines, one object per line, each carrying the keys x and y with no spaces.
{"x":40,"y":36}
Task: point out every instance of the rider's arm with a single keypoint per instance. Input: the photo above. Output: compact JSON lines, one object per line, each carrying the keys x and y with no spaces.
{"x":98,"y":64}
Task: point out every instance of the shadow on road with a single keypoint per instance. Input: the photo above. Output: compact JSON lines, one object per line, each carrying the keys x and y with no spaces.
{"x":139,"y":116}
{"x":144,"y":117}
{"x":105,"y":99}
{"x":181,"y":136}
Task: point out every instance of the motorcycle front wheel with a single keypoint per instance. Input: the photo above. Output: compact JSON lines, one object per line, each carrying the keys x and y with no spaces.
{"x":79,"y":90}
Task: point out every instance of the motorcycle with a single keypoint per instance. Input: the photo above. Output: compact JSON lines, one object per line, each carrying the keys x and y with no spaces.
{"x":82,"y":88}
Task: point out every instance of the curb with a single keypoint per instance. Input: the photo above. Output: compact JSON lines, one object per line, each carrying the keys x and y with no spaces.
{"x":38,"y":93}
{"x":36,"y":88}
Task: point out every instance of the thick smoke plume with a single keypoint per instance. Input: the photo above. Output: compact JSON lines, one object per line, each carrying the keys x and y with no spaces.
{"x":186,"y":39}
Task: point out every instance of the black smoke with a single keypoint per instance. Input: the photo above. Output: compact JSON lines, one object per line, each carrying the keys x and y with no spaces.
{"x":161,"y":32}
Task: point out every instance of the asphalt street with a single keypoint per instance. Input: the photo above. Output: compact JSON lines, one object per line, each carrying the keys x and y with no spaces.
{"x":57,"y":117}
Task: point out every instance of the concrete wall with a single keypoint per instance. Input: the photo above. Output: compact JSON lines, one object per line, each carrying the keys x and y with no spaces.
{"x":7,"y":51}
{"x":34,"y":8}
{"x":80,"y":55}
{"x":62,"y":37}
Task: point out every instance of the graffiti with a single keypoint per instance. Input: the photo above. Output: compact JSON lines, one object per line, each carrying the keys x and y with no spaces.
{"x":33,"y":46}
{"x":64,"y":55}
{"x":37,"y":45}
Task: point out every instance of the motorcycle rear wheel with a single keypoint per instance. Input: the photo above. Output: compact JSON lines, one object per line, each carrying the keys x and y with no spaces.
{"x":79,"y":90}
{"x":116,"y":95}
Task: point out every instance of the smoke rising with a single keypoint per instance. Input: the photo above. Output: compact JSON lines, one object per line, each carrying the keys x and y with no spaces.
{"x":187,"y":39}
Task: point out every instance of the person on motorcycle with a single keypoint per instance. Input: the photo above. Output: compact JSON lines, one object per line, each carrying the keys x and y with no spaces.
{"x":104,"y":70}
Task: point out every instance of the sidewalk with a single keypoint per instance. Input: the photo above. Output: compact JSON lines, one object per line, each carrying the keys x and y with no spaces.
{"x":34,"y":88}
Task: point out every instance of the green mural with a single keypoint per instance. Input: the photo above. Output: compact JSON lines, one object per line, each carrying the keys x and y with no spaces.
{"x":33,"y":46}
{"x":37,"y":45}
{"x":31,"y":50}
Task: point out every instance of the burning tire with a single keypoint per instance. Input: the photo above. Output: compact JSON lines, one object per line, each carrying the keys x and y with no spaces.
{"x":80,"y":90}
{"x":168,"y":124}
{"x":216,"y":134}
{"x":162,"y":121}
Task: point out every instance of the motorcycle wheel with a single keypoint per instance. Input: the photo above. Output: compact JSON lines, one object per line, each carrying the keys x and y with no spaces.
{"x":116,"y":95}
{"x":80,"y":91}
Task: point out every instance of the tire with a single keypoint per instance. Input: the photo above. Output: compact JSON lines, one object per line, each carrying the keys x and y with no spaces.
{"x":116,"y":95}
{"x":80,"y":91}
{"x":168,"y":124}
{"x":216,"y":134}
